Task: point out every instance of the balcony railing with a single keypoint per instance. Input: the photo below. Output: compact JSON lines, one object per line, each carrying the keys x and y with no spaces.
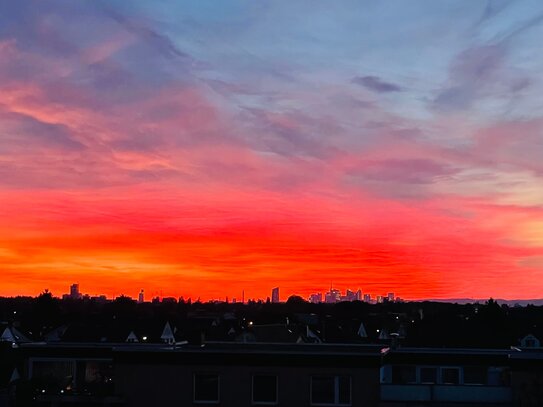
{"x":450,"y":393}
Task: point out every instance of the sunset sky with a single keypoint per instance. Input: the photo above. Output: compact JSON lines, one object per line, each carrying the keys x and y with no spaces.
{"x":199,"y":148}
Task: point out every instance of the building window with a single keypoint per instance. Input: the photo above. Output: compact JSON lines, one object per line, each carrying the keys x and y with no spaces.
{"x":404,"y":374}
{"x":206,"y":388}
{"x":498,"y":376}
{"x":264,"y":389}
{"x":475,"y":375}
{"x":331,"y":390}
{"x":54,"y":375}
{"x":95,"y":376}
{"x":428,"y":375}
{"x":450,"y":375}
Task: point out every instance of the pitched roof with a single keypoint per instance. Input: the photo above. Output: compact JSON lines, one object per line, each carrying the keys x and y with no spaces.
{"x":167,"y":333}
{"x":13,"y":335}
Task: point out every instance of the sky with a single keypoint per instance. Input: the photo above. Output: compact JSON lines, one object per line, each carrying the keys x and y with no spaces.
{"x":199,"y":148}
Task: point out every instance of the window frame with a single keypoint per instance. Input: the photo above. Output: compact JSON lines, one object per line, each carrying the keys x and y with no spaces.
{"x":194,"y":374}
{"x":264,"y":403}
{"x":415,"y":369}
{"x":460,"y":375}
{"x":419,"y":374}
{"x":76,"y":379}
{"x":467,"y":383}
{"x":336,"y":390}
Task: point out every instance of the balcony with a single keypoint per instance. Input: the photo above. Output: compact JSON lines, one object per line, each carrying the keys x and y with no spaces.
{"x":446,"y":393}
{"x":84,"y":400}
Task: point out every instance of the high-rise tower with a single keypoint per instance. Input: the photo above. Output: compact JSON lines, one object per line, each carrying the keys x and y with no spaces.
{"x":275,"y":295}
{"x":74,"y":292}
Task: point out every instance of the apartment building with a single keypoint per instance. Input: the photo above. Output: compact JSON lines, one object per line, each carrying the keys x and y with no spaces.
{"x":252,"y":374}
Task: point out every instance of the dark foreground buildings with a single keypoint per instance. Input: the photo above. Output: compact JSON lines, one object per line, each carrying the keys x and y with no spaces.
{"x":251,"y":374}
{"x":85,"y":353}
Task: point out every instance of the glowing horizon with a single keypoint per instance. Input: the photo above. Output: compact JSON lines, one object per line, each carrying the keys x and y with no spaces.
{"x":200,"y":149}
